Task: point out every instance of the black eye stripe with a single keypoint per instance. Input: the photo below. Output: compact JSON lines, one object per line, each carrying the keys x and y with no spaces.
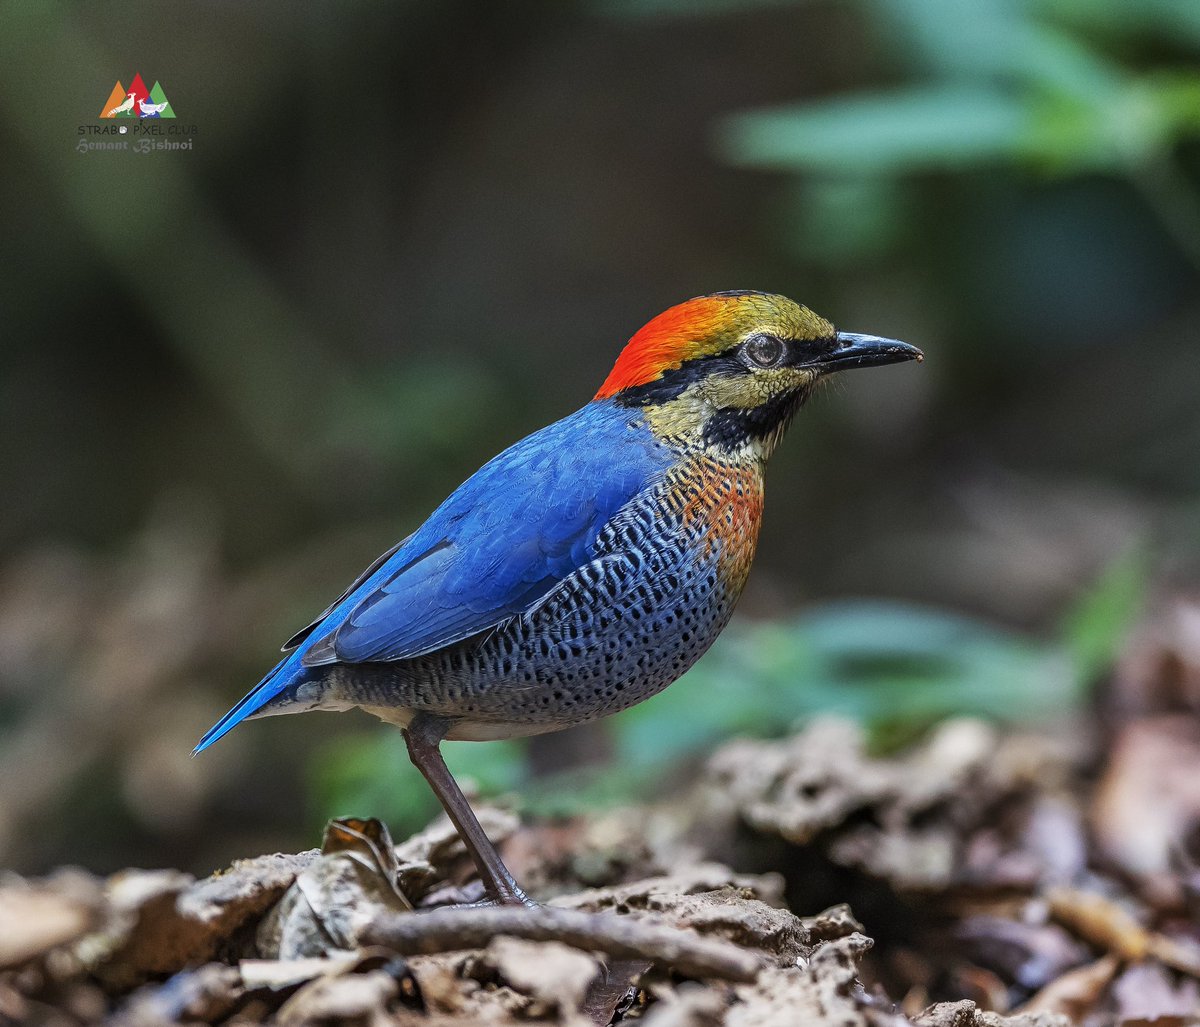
{"x":821,"y":347}
{"x":796,"y":353}
{"x":799,"y":352}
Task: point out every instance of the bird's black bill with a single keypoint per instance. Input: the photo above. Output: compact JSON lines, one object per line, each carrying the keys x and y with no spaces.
{"x":867,"y":351}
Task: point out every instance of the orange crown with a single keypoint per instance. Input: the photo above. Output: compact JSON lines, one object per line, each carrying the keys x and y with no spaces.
{"x":667,"y":341}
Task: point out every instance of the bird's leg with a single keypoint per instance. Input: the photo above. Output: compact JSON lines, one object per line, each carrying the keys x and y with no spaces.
{"x":424,"y":735}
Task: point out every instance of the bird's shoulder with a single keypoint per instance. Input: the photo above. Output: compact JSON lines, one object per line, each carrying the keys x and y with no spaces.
{"x":601,"y":452}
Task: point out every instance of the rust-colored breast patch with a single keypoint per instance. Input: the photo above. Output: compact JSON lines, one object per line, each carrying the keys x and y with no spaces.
{"x":721,"y":507}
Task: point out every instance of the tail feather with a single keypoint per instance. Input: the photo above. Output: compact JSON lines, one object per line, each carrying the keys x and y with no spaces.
{"x":255,"y":699}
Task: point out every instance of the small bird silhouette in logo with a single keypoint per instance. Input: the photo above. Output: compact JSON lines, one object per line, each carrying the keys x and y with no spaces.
{"x":150,"y":109}
{"x":126,"y":105}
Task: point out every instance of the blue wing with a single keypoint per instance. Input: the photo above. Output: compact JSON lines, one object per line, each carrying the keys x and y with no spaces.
{"x":509,"y":534}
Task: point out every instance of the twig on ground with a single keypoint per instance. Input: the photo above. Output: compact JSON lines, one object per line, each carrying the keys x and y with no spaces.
{"x":621,"y":937}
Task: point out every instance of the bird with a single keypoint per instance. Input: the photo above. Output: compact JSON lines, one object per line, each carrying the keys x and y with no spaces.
{"x":125,"y":105}
{"x":586,"y":567}
{"x":149,"y":108}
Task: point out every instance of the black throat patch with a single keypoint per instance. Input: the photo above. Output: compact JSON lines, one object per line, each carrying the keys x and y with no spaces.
{"x":732,"y":427}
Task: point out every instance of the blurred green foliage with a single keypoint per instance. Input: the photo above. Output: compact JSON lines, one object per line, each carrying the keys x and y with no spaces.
{"x":1052,"y":86}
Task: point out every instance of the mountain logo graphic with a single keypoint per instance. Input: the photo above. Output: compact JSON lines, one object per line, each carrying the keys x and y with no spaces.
{"x":137,"y":101}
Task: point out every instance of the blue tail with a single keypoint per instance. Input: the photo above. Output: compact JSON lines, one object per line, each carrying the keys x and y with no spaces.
{"x":255,"y":700}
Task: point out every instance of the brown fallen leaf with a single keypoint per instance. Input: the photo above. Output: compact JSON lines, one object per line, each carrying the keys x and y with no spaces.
{"x":348,"y":999}
{"x":1147,"y":992}
{"x":158,"y":922}
{"x":982,"y":985}
{"x":286,"y":973}
{"x":370,"y":843}
{"x":1148,"y":799}
{"x":1027,"y":954}
{"x":689,"y":1006}
{"x":1160,"y":667}
{"x":207,"y":994}
{"x":333,"y":899}
{"x":555,"y":976}
{"x":1105,"y":924}
{"x":37,"y":916}
{"x":1099,"y":921}
{"x":613,"y":988}
{"x":14,"y":1007}
{"x":1077,"y":991}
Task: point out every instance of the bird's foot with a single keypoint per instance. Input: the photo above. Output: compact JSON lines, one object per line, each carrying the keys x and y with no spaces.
{"x":475,"y":896}
{"x":514,"y":897}
{"x":491,"y":902}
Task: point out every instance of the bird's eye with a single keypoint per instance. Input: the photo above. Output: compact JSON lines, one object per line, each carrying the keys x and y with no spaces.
{"x":764,"y":350}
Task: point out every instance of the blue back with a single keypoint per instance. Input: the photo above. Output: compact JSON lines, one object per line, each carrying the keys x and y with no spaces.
{"x":511,"y":532}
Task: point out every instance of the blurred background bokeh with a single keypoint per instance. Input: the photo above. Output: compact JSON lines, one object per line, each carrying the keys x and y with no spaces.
{"x":409,"y":234}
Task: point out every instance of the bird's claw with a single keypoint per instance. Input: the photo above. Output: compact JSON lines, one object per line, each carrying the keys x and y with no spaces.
{"x":475,"y":896}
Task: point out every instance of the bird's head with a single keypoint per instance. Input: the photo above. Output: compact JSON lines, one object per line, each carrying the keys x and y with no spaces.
{"x":731,"y":369}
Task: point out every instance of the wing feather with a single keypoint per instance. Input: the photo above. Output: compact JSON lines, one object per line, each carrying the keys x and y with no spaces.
{"x":497,"y":546}
{"x":308,"y":629}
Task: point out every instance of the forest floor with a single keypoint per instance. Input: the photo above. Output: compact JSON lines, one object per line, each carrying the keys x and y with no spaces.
{"x":979,"y":877}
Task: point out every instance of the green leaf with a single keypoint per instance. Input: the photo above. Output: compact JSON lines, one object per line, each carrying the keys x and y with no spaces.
{"x":1096,"y":628}
{"x":881,"y":133}
{"x":839,"y":222}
